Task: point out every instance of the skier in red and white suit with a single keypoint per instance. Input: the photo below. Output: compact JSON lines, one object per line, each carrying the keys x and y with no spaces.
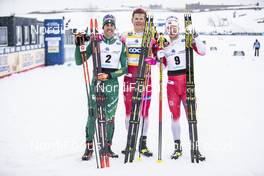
{"x":174,"y":57}
{"x":133,"y":41}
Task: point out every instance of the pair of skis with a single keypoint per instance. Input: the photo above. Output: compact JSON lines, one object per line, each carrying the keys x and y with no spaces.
{"x":134,"y":121}
{"x":190,"y":93}
{"x":100,"y":97}
{"x":100,"y":143}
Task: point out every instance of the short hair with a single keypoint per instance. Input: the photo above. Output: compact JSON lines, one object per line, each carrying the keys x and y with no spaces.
{"x":140,"y":11}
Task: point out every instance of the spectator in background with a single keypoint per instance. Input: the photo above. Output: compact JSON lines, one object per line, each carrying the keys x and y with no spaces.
{"x":256,"y":46}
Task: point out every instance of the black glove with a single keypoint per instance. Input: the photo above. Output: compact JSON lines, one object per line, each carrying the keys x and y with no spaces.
{"x":162,"y":41}
{"x":81,"y":38}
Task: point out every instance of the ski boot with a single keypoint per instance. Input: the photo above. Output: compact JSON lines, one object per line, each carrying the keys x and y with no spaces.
{"x":143,"y":149}
{"x":110,"y":153}
{"x":88,"y":151}
{"x":177,"y":151}
{"x":197,"y":156}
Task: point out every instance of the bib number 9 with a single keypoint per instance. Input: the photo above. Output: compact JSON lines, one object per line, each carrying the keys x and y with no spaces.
{"x":177,"y":60}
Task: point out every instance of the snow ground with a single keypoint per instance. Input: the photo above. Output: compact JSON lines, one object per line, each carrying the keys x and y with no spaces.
{"x":44,"y":111}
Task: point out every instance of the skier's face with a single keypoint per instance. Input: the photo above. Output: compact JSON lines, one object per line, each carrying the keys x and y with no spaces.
{"x":138,"y":21}
{"x":109,"y":30}
{"x":173,"y":31}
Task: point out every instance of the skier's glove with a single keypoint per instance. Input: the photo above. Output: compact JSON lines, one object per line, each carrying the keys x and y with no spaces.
{"x":150,"y":60}
{"x":103,"y":76}
{"x":162,"y":41}
{"x":160,"y":54}
{"x":190,"y":29}
{"x":78,"y":38}
{"x":166,"y":43}
{"x":81,"y":38}
{"x":129,"y":75}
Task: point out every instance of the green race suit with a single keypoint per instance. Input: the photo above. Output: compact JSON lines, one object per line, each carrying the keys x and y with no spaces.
{"x":112,"y":55}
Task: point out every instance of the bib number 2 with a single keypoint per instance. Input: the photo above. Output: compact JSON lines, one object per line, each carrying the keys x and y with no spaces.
{"x":108,"y":60}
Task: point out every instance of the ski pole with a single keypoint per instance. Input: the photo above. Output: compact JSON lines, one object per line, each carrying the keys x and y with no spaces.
{"x":87,"y":81}
{"x":161,"y":41}
{"x":145,"y":99}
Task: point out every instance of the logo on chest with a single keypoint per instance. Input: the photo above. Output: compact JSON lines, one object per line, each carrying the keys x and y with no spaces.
{"x":134,"y":50}
{"x":181,"y":52}
{"x":106,"y":50}
{"x":133,"y":42}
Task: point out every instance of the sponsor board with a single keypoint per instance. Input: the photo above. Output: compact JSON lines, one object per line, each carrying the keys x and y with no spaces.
{"x":21,"y":61}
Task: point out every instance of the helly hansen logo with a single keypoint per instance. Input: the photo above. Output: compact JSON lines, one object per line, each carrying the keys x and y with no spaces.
{"x":134,"y":50}
{"x":181,"y":52}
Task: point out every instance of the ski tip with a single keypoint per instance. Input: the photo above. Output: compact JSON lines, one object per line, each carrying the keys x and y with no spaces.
{"x":139,"y":158}
{"x":91,"y":25}
{"x":159,"y":161}
{"x":91,"y":22}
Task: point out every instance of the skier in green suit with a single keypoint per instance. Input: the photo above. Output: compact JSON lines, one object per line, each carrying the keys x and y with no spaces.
{"x":112,"y":56}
